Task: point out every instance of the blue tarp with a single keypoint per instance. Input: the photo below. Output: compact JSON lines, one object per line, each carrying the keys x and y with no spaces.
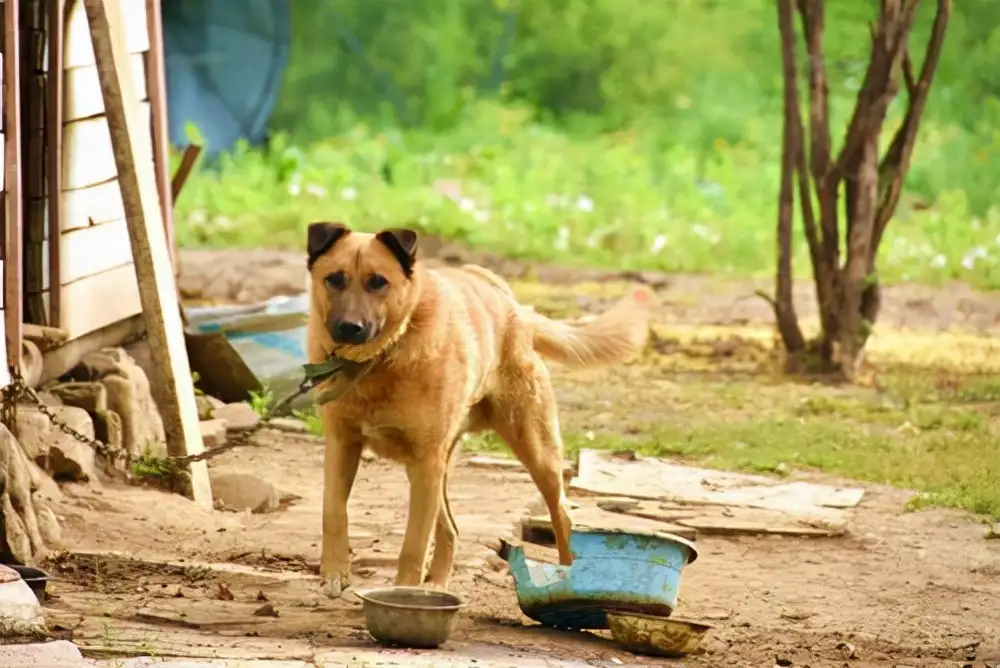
{"x":225,"y":60}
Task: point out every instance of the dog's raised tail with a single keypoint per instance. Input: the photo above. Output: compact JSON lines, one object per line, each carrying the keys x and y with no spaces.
{"x":616,"y":335}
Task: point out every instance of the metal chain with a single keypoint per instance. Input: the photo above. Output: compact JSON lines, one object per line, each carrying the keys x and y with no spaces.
{"x":18,"y":390}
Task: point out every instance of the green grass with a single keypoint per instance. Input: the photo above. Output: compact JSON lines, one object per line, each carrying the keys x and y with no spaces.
{"x":638,"y":200}
{"x":918,"y":438}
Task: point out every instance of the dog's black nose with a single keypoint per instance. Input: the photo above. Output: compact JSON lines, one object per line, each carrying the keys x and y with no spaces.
{"x":346,"y":331}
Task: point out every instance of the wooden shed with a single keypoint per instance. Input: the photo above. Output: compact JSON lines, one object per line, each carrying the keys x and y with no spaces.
{"x":68,"y":273}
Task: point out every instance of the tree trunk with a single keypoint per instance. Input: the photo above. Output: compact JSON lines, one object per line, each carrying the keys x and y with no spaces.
{"x":849,"y":295}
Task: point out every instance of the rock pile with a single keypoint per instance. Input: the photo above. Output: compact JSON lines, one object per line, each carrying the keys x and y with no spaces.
{"x":107,"y":397}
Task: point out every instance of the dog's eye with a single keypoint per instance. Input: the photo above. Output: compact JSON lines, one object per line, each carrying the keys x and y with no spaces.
{"x":377,"y":282}
{"x":337,"y":280}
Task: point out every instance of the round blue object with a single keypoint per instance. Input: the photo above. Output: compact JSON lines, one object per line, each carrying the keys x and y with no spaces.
{"x":631,"y":571}
{"x":224,"y":63}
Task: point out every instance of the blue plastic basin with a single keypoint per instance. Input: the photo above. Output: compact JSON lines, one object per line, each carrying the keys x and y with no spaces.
{"x":612,"y":571}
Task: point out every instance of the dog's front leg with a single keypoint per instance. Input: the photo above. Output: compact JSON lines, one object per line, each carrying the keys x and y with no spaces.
{"x":341,"y":459}
{"x":426,"y":482}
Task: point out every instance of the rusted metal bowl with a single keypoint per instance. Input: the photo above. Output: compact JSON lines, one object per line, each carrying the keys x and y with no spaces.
{"x":657,"y":636}
{"x":410,"y":616}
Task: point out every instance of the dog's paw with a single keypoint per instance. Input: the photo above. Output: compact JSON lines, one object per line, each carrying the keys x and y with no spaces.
{"x":335,"y":584}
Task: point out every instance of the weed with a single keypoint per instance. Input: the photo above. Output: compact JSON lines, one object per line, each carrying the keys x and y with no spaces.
{"x":312,"y":421}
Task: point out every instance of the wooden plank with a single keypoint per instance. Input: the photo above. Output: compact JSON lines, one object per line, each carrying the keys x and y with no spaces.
{"x":88,"y":158}
{"x":98,"y":204}
{"x":721,"y":520}
{"x":94,"y":250}
{"x":13,"y":312}
{"x":58,"y":361}
{"x":99,"y":300}
{"x":157,"y":89}
{"x":4,"y":371}
{"x":3,"y":172}
{"x":54,"y":145}
{"x":82,"y":97}
{"x":538,"y":528}
{"x":647,"y":478}
{"x":79,"y":49}
{"x":45,"y":334}
{"x":133,"y":152}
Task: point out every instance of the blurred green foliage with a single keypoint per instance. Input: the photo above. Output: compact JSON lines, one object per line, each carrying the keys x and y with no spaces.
{"x":666,"y":117}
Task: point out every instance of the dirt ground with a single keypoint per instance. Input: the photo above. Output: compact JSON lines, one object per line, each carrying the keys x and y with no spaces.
{"x":902,"y":589}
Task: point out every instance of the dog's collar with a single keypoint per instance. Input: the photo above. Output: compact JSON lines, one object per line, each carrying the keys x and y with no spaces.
{"x":330,"y":368}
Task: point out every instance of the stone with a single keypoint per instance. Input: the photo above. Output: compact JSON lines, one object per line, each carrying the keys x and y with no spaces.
{"x":91,"y":397}
{"x":290,"y":425}
{"x":213,"y":433}
{"x":109,"y":429}
{"x":48,"y":525}
{"x":234,"y":490}
{"x":20,"y":613}
{"x":48,"y":398}
{"x":239,"y":416}
{"x":206,"y":409}
{"x":57,"y":654}
{"x":20,"y":528}
{"x":43,"y":487}
{"x":130,"y":396}
{"x":60,"y":454}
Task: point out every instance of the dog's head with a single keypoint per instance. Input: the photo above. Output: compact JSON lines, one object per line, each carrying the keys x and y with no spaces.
{"x":363,"y":285}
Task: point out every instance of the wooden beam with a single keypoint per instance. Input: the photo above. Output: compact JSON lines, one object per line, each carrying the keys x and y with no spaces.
{"x":156,"y":85}
{"x":188,"y":160}
{"x":13,"y":242}
{"x":53,"y":127}
{"x":132,"y":144}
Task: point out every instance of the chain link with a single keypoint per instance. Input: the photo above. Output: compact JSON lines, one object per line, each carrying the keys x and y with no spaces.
{"x":17,"y":390}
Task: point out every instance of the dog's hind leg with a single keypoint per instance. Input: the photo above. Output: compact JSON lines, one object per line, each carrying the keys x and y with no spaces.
{"x":445,"y":531}
{"x":528,"y":422}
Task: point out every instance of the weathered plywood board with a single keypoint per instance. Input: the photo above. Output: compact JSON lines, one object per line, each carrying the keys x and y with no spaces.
{"x":99,"y":300}
{"x":709,"y":519}
{"x":2,"y":149}
{"x":82,"y":93}
{"x":94,"y":250}
{"x":88,"y":158}
{"x":79,"y":50}
{"x":648,"y":478}
{"x":85,"y":207}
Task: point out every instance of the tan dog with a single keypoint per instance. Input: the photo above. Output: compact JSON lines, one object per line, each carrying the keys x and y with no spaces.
{"x":433,"y":354}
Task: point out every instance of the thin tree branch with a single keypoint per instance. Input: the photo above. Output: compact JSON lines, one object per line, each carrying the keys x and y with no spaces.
{"x":791,"y":148}
{"x":896,"y":163}
{"x":813,"y":26}
{"x":908,"y":78}
{"x":878,"y":89}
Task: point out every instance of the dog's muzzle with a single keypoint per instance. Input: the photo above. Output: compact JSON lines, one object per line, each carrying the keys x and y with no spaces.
{"x":351,"y":333}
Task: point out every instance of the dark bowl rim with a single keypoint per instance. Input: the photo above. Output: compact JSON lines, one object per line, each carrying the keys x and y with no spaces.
{"x":369,"y":595}
{"x":664,"y":535}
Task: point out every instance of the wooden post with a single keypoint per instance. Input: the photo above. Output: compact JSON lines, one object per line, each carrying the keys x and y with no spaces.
{"x":54,"y":134}
{"x":133,"y":152}
{"x":13,"y":242}
{"x":156,"y":81}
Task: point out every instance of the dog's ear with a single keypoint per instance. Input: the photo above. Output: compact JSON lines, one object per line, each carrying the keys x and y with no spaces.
{"x":403,"y":244}
{"x":321,"y":238}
